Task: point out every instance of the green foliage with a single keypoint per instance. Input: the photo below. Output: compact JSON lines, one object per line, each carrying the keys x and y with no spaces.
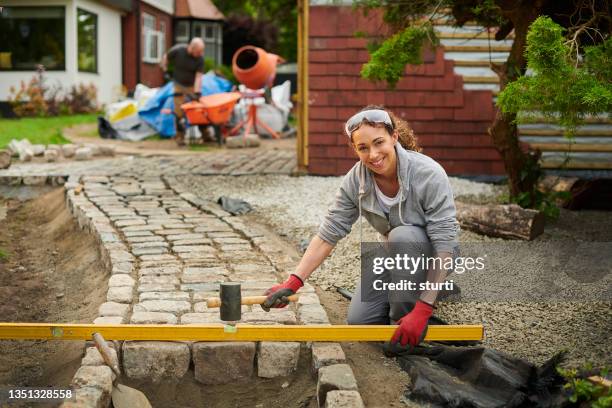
{"x":40,"y":130}
{"x":582,"y":390}
{"x":560,"y":87}
{"x":220,"y":69}
{"x":388,"y":61}
{"x":282,"y":12}
{"x":3,"y":254}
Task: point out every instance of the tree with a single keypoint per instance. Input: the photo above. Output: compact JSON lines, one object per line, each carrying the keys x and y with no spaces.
{"x":587,"y":23}
{"x":280,"y":13}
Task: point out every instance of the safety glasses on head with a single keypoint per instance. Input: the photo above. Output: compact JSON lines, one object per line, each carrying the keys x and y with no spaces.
{"x":371,"y":115}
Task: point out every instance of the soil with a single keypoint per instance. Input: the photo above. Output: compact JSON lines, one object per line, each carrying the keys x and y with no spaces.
{"x":50,"y":264}
{"x":294,"y":391}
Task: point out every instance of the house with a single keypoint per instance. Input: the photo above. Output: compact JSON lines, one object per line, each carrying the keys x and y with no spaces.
{"x":147,"y":35}
{"x":200,"y":18}
{"x":77,"y":41}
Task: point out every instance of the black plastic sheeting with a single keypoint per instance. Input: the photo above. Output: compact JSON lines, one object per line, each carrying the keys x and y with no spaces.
{"x":234,"y":206}
{"x":479,"y":377}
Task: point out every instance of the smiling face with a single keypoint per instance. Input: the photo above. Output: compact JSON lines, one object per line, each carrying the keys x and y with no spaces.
{"x":375,"y":148}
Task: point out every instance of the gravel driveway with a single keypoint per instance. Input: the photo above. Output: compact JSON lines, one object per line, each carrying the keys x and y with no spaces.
{"x":530,"y":302}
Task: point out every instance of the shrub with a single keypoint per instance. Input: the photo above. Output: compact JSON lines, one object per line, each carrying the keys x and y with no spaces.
{"x":36,"y":98}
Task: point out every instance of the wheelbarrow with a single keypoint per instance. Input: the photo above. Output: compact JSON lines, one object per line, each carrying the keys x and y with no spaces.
{"x":212,"y":110}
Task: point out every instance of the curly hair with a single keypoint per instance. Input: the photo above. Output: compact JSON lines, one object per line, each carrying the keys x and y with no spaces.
{"x":405,"y":134}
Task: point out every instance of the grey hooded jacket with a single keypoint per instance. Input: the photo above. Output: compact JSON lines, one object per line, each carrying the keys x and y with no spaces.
{"x":426,"y":200}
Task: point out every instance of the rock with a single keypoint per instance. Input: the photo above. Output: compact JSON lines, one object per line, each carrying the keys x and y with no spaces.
{"x":25,"y":155}
{"x":95,"y":149}
{"x":223,"y":362}
{"x":119,"y":294}
{"x":155,"y":361}
{"x":38,"y":149}
{"x":113,"y":309}
{"x":51,"y":155}
{"x":34,"y":180}
{"x":324,"y":354}
{"x":344,"y":399}
{"x":312,"y":314}
{"x":83,"y":153}
{"x":236,"y":142}
{"x":93,"y":357}
{"x":90,"y":397}
{"x":107,"y":150}
{"x":100,"y":377}
{"x":334,"y":377}
{"x":277,"y":359}
{"x":121,"y":280}
{"x":5,"y":159}
{"x":103,"y":320}
{"x":153,"y":318}
{"x":69,"y":150}
{"x":169,"y":306}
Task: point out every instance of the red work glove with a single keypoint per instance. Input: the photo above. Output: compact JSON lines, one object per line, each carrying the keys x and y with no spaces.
{"x":278,"y":294}
{"x":411,"y":326}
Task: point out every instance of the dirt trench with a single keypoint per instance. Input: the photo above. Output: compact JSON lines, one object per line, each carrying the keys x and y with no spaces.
{"x":51,"y":272}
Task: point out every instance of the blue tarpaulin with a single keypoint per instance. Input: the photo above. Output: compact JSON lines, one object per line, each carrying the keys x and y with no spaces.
{"x":158,"y":111}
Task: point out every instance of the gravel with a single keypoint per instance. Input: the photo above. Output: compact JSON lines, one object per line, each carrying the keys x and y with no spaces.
{"x":530,"y":302}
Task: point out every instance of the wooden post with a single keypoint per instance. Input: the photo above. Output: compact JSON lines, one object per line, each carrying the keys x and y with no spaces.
{"x":302,"y":134}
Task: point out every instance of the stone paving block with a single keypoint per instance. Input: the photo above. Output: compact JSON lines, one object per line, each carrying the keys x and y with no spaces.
{"x":257,"y":285}
{"x":161,"y":270}
{"x":230,"y":240}
{"x":201,"y":318}
{"x":163,"y":257}
{"x":171,"y":231}
{"x":108,"y":237}
{"x":177,"y":225}
{"x":200,"y":307}
{"x":223,"y":362}
{"x":343,"y":399}
{"x":113,"y":309}
{"x":120,"y":256}
{"x":170,"y":306}
{"x":34,"y":180}
{"x":203,"y":296}
{"x":149,"y":244}
{"x":193,"y":248}
{"x":324,"y":354}
{"x":312,"y":314}
{"x":141,"y":233}
{"x":223,"y":234}
{"x":213,"y":270}
{"x":121,"y":280}
{"x":252,"y":268}
{"x":157,"y":287}
{"x":179,"y":237}
{"x":128,"y":231}
{"x":249,"y":276}
{"x":130,"y":221}
{"x":153,"y":318}
{"x":159,"y":264}
{"x":158,"y":279}
{"x":197,"y":255}
{"x":157,"y":250}
{"x":122,"y":268}
{"x":200,"y":287}
{"x":235,"y":247}
{"x":103,"y":320}
{"x":281,"y":317}
{"x":155,"y":361}
{"x":201,"y":241}
{"x":175,"y":295}
{"x":277,"y":359}
{"x":334,"y":377}
{"x":308,"y":299}
{"x":142,"y":239}
{"x":202,"y":278}
{"x":120,"y":294}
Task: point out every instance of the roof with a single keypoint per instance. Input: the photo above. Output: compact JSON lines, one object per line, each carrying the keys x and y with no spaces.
{"x":202,"y":9}
{"x":125,"y":5}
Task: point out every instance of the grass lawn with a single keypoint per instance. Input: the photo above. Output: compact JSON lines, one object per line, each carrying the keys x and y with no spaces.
{"x":40,"y":130}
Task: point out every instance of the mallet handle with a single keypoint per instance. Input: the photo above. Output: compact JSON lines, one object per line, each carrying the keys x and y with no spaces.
{"x":247,"y":300}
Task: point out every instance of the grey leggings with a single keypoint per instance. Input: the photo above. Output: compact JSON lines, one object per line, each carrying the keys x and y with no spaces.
{"x":380,"y":310}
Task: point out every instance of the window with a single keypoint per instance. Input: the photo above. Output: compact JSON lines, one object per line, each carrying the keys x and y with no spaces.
{"x":32,"y":36}
{"x":212,"y":36}
{"x":153,"y":40}
{"x":87,"y":26}
{"x":182,"y":32}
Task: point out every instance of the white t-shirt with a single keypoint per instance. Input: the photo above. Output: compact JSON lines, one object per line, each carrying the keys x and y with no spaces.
{"x":386,"y":202}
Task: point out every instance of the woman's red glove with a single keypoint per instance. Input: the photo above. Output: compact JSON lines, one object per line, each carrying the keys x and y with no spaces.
{"x":278,"y":294}
{"x":411,"y":326}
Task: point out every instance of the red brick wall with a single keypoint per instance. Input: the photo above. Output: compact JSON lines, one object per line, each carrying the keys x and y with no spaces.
{"x":450,"y":123}
{"x":150,"y":74}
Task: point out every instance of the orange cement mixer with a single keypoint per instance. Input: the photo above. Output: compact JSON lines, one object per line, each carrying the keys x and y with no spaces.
{"x":254,"y":67}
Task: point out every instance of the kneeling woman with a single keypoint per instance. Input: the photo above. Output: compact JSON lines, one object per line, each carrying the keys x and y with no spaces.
{"x":406,"y":196}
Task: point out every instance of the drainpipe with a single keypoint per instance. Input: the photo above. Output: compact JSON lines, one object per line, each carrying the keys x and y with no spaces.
{"x":138,"y":40}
